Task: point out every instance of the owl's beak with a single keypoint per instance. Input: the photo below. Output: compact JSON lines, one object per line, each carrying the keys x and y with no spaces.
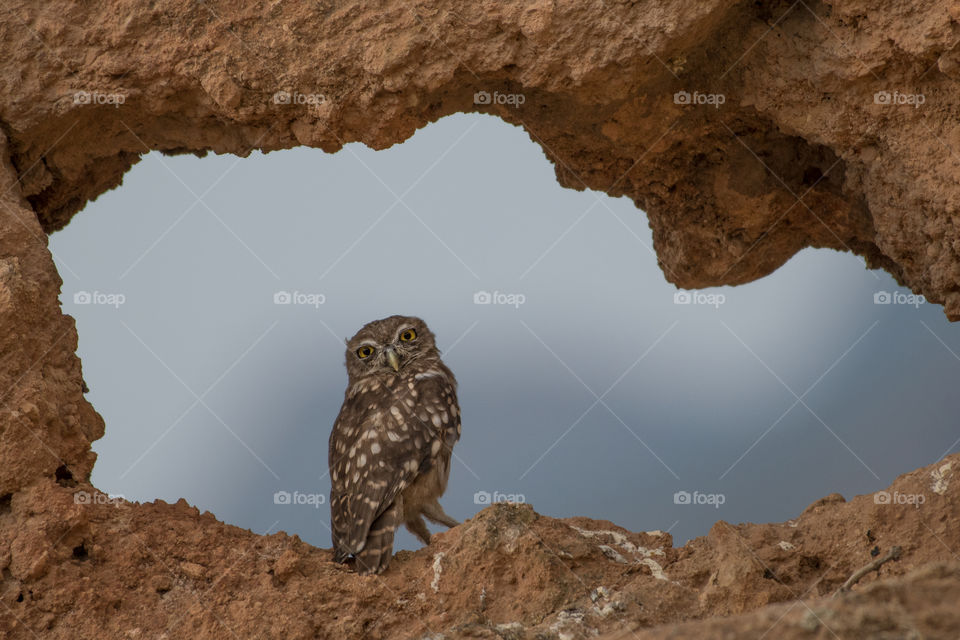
{"x":392,"y":358}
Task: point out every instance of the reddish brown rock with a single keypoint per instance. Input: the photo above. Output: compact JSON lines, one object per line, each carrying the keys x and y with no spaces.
{"x":747,"y":131}
{"x":109,"y":569}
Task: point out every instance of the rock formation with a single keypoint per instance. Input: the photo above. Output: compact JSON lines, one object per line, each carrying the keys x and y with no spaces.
{"x":92,"y":568}
{"x":746,"y":131}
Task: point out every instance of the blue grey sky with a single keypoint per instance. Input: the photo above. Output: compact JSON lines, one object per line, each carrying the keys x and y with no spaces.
{"x":594,"y":390}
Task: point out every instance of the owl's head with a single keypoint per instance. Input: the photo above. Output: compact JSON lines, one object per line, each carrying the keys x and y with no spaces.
{"x":389,"y":346}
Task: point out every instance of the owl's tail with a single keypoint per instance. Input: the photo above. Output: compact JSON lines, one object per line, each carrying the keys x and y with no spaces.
{"x":378,"y":550}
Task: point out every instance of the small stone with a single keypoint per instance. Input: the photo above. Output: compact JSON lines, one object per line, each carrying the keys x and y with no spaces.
{"x":193,"y":570}
{"x":286,"y":564}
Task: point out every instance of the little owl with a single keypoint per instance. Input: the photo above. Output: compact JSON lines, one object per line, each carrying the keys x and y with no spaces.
{"x":390,"y":447}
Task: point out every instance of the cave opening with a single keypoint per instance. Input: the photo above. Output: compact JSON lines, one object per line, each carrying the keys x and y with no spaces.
{"x":212,"y":297}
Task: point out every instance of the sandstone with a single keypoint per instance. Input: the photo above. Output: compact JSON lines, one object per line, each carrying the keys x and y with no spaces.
{"x":746,"y":131}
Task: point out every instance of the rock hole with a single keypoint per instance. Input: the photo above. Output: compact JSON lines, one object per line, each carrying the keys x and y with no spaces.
{"x":20,"y":597}
{"x":246,"y":405}
{"x":80,"y":552}
{"x":812,"y":175}
{"x":64,"y":476}
{"x":5,"y":503}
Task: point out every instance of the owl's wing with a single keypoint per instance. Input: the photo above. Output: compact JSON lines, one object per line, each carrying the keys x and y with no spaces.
{"x":376,"y":457}
{"x":439,"y":411}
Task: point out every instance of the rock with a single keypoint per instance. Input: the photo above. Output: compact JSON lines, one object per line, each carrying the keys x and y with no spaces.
{"x":286,"y":565}
{"x":506,"y":571}
{"x":193,"y":570}
{"x":746,"y":132}
{"x":745,"y":136}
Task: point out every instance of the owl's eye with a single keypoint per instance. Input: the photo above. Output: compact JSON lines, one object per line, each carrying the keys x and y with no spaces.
{"x":364,"y":352}
{"x":408,"y":335}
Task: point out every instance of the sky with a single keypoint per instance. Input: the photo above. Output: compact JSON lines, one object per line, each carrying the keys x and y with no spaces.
{"x":212,"y":298}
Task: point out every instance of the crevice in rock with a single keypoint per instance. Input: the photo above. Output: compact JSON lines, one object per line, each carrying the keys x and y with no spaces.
{"x":80,"y":552}
{"x":64,"y":476}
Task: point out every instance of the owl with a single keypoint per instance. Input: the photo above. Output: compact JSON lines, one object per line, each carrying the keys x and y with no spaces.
{"x":390,"y":447}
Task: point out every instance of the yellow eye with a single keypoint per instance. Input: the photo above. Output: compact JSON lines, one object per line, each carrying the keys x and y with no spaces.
{"x":364,"y":352}
{"x":408,"y":335}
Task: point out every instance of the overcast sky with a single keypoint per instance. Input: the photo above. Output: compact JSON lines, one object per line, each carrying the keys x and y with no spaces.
{"x":587,"y":388}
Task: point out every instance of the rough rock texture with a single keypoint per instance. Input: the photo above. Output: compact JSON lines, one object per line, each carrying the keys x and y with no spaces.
{"x":825,"y":124}
{"x":746,"y":130}
{"x":123,"y":570}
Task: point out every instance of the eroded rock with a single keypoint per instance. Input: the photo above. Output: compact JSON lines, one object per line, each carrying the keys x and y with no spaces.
{"x":747,"y":131}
